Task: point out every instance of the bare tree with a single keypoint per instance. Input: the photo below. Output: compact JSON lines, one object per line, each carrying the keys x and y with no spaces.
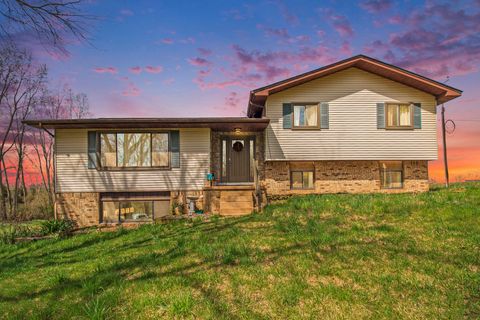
{"x":25,"y":103}
{"x":52,"y":21}
{"x":59,"y":104}
{"x":21,"y":81}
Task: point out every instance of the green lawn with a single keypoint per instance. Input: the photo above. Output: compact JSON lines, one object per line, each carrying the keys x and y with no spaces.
{"x":329,"y":257}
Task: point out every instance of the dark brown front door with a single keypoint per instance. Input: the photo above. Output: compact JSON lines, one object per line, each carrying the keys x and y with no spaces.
{"x":238,"y":159}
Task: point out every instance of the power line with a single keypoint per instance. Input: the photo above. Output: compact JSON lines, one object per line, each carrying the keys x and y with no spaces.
{"x":474,"y":120}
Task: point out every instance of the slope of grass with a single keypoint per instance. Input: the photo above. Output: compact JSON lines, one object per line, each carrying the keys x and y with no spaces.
{"x":330,"y":257}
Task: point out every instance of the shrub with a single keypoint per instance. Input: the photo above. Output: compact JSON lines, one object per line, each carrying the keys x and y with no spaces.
{"x":10,"y":233}
{"x":60,"y":227}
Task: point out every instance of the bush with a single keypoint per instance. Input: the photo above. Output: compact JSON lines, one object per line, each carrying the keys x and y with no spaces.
{"x":60,"y":227}
{"x":35,"y":206}
{"x":9,"y":234}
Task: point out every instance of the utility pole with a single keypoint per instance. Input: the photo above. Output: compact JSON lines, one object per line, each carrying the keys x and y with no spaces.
{"x":445,"y":161}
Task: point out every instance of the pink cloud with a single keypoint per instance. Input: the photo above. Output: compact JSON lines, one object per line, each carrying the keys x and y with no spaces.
{"x":345,"y":49}
{"x":153,"y":69}
{"x":281,"y":33}
{"x":250,"y":69}
{"x":232,"y":100}
{"x":204,"y":51}
{"x":339,"y":22}
{"x":167,"y":41}
{"x":286,"y":13}
{"x":198,"y":62}
{"x":131,"y":90}
{"x":302,"y":38}
{"x":376,"y":6}
{"x":111,"y":70}
{"x":135,"y":70}
{"x":215,"y":85}
{"x":397,"y":19}
{"x":444,"y":42}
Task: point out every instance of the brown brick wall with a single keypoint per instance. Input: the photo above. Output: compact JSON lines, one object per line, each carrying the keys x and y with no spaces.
{"x":216,"y":150}
{"x":81,"y":207}
{"x":84,"y":207}
{"x":344,"y":177}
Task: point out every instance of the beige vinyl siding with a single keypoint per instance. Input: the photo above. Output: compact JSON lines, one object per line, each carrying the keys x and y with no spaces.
{"x":352,"y":95}
{"x":73,"y":174}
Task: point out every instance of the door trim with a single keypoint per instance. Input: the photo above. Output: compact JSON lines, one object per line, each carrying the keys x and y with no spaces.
{"x":224,"y":155}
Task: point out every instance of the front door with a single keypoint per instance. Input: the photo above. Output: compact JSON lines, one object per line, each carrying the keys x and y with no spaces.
{"x":238,"y":152}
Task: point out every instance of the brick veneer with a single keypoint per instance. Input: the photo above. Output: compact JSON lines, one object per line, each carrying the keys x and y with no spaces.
{"x":84,"y":207}
{"x":81,"y":207}
{"x":344,"y":177}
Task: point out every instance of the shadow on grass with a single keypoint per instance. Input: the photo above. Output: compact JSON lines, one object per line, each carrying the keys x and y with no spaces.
{"x":169,"y":263}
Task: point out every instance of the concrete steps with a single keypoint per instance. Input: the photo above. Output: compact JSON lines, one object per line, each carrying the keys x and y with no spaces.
{"x":236,"y":202}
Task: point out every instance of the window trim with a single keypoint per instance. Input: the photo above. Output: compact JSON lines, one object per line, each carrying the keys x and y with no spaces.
{"x":402,"y":172}
{"x":316,"y":104}
{"x":136,"y":168}
{"x":399,"y":127}
{"x":302,"y":171}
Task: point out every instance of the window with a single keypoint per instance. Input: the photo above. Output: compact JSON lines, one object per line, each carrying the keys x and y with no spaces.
{"x":252,"y":158}
{"x":134,"y":150}
{"x":110,"y":211}
{"x":108,"y":145}
{"x":399,"y":116}
{"x":120,"y":211}
{"x":305,"y":116}
{"x":160,"y":156}
{"x":134,"y":206}
{"x":391,"y":174}
{"x":302,"y":179}
{"x":224,"y":159}
{"x":136,"y":210}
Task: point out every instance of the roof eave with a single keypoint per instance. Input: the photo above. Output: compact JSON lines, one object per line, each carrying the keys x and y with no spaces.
{"x":114,"y":123}
{"x":448,"y":94}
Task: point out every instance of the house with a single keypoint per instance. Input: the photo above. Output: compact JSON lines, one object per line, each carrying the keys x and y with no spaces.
{"x":358,"y":126}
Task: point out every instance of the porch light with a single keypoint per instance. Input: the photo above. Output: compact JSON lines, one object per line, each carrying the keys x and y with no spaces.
{"x":237,"y":130}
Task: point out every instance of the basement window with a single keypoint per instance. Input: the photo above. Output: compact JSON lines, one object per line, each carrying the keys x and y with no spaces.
{"x":301,"y":180}
{"x":391,"y":174}
{"x":118,"y":207}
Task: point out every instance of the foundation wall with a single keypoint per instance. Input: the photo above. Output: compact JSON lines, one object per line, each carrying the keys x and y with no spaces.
{"x":343,"y":177}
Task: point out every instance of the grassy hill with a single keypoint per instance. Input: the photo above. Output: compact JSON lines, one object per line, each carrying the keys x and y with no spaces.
{"x":337,"y":256}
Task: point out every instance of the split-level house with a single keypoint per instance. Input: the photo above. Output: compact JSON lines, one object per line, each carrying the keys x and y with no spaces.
{"x":356,"y":126}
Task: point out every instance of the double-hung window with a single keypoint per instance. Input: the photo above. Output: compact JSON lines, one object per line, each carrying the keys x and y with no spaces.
{"x":305,"y":116}
{"x":399,"y":116}
{"x":391,"y":174}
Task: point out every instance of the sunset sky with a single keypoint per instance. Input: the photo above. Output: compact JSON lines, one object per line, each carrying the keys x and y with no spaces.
{"x":201,"y":58}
